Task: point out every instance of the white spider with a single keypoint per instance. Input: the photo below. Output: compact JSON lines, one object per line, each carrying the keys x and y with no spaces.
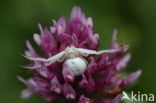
{"x":73,"y":58}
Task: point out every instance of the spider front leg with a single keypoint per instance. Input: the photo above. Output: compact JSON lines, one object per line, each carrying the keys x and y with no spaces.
{"x":35,"y":58}
{"x":50,"y":60}
{"x":89,"y":52}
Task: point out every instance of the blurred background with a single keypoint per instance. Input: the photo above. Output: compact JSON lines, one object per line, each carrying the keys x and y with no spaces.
{"x":135,"y":19}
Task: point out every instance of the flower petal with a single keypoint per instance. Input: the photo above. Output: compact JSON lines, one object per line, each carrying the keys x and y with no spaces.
{"x":67,"y":74}
{"x":84,"y":99}
{"x":132,"y":77}
{"x":123,"y":62}
{"x":56,"y":86}
{"x":69,"y":91}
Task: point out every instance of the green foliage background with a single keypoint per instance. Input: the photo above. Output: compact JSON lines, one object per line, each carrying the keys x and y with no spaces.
{"x":136,"y":20}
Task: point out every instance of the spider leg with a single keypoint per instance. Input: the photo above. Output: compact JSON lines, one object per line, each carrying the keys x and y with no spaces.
{"x":59,"y":60}
{"x":35,"y":58}
{"x":86,"y":51}
{"x":51,"y":59}
{"x":33,"y":67}
{"x":112,"y":50}
{"x":56,"y":57}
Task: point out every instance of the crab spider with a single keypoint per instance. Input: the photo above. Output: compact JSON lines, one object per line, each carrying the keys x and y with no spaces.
{"x":73,"y":58}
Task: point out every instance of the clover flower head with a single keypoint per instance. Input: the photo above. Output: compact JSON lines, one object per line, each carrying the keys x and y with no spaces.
{"x":72,"y":67}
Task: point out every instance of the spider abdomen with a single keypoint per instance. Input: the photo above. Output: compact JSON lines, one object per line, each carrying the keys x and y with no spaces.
{"x":77,"y":65}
